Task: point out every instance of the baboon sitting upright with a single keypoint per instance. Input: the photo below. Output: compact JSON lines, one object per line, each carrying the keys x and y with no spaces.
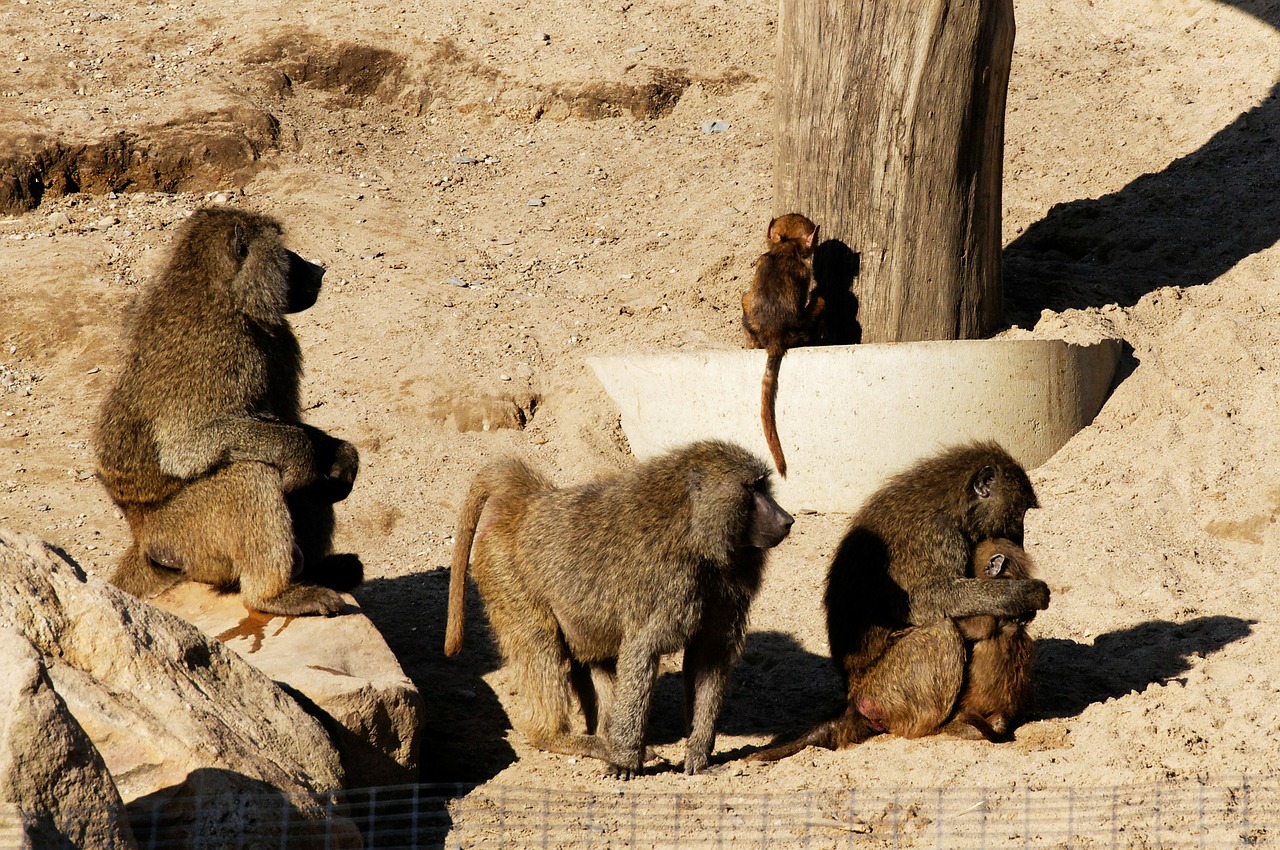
{"x":200,"y":441}
{"x":608,"y":577}
{"x":900,"y":580}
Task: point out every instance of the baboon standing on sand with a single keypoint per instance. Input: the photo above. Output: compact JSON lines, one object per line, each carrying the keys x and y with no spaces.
{"x":605,"y":578}
{"x":200,"y":441}
{"x":899,"y":582}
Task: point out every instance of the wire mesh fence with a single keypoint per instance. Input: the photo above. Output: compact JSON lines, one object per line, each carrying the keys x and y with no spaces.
{"x":1189,"y":814}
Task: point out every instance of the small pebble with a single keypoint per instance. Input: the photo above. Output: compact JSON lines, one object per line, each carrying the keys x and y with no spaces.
{"x":456,"y":281}
{"x":60,"y":219}
{"x":639,"y":48}
{"x":626,"y":276}
{"x":714,"y":126}
{"x":106,"y":222}
{"x":537,"y":202}
{"x":465,"y":160}
{"x":543,"y":37}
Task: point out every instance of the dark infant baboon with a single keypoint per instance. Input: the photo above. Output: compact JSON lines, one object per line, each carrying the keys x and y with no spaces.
{"x":200,"y":441}
{"x":997,"y":690}
{"x":605,"y":578}
{"x":778,"y":312}
{"x":899,"y":581}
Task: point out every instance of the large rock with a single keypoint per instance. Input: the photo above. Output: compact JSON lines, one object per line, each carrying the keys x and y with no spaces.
{"x":52,"y":778}
{"x":203,"y":748}
{"x":339,"y":668}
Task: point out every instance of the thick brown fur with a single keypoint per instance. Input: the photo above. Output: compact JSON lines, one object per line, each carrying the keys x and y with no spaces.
{"x":899,"y":581}
{"x":997,"y":690}
{"x":200,"y":441}
{"x":778,"y":312}
{"x":605,"y":578}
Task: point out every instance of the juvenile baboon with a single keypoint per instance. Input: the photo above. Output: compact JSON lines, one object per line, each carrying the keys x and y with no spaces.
{"x":899,"y":581}
{"x":778,"y":312}
{"x":604,"y":578}
{"x":200,"y":441}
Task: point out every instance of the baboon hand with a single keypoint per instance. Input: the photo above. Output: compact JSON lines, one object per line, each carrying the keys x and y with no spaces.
{"x":695,"y":763}
{"x":623,"y":772}
{"x":341,"y":475}
{"x":1037,"y":596}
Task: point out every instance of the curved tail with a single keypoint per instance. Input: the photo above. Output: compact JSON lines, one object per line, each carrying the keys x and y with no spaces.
{"x":838,"y":733}
{"x":467,"y":521}
{"x":768,"y":397}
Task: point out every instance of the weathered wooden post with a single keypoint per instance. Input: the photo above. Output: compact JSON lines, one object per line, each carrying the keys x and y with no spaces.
{"x":890,"y":135}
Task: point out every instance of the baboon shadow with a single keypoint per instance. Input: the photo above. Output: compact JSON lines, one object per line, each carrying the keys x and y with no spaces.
{"x":1183,"y":226}
{"x":773,"y":680}
{"x":835,"y":265}
{"x":466,"y":725}
{"x":1071,"y":676}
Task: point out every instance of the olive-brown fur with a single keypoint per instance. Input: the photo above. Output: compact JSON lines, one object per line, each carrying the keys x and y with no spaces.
{"x":778,"y":312}
{"x":200,"y":440}
{"x":903,"y":570}
{"x":606,"y":577}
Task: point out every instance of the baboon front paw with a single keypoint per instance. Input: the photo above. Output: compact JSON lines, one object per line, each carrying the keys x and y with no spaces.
{"x":300,"y":600}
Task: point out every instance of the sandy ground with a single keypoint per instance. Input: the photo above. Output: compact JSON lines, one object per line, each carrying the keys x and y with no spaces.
{"x":549,"y":157}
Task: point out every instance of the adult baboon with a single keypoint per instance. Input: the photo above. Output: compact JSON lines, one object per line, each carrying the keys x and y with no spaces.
{"x":200,"y":441}
{"x":899,"y":581}
{"x":607,"y":577}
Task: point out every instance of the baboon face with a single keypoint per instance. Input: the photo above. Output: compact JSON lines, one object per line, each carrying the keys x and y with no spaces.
{"x":769,"y":524}
{"x":304,"y":283}
{"x":999,"y":497}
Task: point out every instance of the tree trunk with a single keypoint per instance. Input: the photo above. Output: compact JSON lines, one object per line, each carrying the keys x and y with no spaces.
{"x":890,"y":135}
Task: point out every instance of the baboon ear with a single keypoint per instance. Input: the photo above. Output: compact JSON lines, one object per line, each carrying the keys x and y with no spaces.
{"x":995,"y":565}
{"x":983,"y":480}
{"x":813,"y":238}
{"x":239,"y":241}
{"x":772,"y":236}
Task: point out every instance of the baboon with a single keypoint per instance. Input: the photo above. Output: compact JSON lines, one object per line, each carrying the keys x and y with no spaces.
{"x":600,"y":580}
{"x":926,"y":677}
{"x":778,"y":312}
{"x":899,"y":581}
{"x":200,"y":441}
{"x":998,"y":686}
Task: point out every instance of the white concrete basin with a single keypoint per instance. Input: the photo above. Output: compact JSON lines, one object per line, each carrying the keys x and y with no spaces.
{"x":850,"y":416}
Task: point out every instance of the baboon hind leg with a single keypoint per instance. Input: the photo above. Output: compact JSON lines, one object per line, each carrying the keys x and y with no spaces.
{"x":913,"y":688}
{"x":137,"y":574}
{"x":530,"y":640}
{"x":234,"y":527}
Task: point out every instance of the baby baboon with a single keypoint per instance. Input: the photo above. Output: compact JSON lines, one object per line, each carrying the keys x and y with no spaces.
{"x":606,"y":577}
{"x":903,"y":564}
{"x":200,"y":441}
{"x":777,"y":310}
{"x":998,"y":687}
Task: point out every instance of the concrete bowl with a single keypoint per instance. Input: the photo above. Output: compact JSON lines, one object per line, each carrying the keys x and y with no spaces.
{"x":851,"y":416}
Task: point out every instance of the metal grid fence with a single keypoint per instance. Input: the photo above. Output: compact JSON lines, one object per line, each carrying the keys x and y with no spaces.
{"x":1189,"y":814}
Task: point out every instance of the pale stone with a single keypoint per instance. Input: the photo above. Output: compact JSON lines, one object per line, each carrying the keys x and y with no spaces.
{"x":203,"y":748}
{"x":340,"y":668}
{"x":850,"y":416}
{"x":54,"y":787}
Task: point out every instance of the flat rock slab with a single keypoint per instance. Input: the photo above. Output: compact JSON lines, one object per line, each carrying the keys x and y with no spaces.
{"x":850,"y":416}
{"x":340,"y":668}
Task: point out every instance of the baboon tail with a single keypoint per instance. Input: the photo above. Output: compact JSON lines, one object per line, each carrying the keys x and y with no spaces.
{"x":768,"y":397}
{"x":467,"y":521}
{"x":847,"y":730}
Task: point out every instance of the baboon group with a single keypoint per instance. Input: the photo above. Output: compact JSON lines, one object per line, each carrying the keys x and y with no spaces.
{"x":201,"y":444}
